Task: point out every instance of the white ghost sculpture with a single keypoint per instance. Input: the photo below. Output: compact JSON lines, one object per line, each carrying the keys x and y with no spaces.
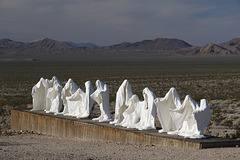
{"x":54,"y":101}
{"x":194,"y":119}
{"x":101,"y":96}
{"x":148,"y":111}
{"x":80,"y":104}
{"x":75,"y":102}
{"x":123,"y":95}
{"x":187,"y":119}
{"x":69,"y":89}
{"x":39,"y":93}
{"x":131,"y":115}
{"x":170,"y":101}
{"x":88,"y":102}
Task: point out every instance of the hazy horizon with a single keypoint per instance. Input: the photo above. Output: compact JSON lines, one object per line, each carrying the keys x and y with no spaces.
{"x":105,"y":22}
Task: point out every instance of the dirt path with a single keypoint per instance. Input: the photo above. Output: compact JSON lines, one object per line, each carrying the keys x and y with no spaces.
{"x":33,"y":146}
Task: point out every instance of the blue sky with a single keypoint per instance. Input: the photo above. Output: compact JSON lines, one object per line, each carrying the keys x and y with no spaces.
{"x":107,"y":22}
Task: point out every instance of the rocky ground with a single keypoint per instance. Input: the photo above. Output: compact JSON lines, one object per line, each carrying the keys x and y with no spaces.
{"x":24,"y":145}
{"x":218,"y":82}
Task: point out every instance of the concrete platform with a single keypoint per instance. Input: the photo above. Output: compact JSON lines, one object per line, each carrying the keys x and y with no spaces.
{"x":65,"y":126}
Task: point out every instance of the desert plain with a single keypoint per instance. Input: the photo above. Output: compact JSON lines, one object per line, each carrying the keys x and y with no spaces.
{"x":214,"y":79}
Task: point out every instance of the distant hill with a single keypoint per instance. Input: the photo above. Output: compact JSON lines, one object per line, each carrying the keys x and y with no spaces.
{"x":231,"y":48}
{"x":157,"y":44}
{"x":42,"y":47}
{"x":8,"y":44}
{"x":161,"y":47}
{"x":82,"y":44}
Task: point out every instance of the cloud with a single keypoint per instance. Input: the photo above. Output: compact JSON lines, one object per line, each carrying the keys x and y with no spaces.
{"x":110,"y":21}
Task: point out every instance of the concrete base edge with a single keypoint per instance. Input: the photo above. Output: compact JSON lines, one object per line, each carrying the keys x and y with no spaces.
{"x":64,"y":126}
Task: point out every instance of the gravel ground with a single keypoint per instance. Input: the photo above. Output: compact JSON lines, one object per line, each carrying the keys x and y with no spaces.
{"x":34,"y":146}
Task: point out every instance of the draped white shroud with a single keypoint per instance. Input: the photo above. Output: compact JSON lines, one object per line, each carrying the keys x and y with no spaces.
{"x":101,"y":96}
{"x":123,"y":96}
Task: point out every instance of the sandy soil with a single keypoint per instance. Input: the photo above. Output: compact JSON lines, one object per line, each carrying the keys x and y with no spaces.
{"x":34,"y":146}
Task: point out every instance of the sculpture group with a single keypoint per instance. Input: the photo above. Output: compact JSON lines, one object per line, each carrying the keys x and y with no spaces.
{"x":186,"y":119}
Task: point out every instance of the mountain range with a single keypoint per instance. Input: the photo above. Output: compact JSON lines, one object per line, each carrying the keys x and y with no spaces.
{"x":161,"y":47}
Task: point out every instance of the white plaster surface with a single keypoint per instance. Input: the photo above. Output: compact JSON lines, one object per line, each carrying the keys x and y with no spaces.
{"x":87,"y":101}
{"x":39,"y":93}
{"x":69,"y":89}
{"x":140,"y":114}
{"x":196,"y":118}
{"x":54,"y":101}
{"x":147,"y":111}
{"x":131,"y":115}
{"x":123,"y":96}
{"x":170,"y":101}
{"x":101,"y":96}
{"x":187,"y":119}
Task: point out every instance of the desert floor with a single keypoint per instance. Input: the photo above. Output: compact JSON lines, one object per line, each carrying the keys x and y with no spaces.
{"x":218,"y":81}
{"x":34,"y":146}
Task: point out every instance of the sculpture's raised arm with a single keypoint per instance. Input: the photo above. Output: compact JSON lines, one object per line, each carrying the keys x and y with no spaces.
{"x":196,"y":118}
{"x":170,"y":101}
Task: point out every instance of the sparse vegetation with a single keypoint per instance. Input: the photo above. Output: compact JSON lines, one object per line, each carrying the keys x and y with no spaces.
{"x":216,"y":81}
{"x":218,"y":115}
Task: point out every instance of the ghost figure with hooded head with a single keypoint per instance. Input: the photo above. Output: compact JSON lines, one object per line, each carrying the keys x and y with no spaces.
{"x":170,"y":101}
{"x":80,"y":104}
{"x":39,"y":94}
{"x":54,"y":101}
{"x":101,"y":96}
{"x":131,"y":115}
{"x":88,"y":102}
{"x":123,"y":96}
{"x":194,"y":118}
{"x":147,"y":111}
{"x":69,"y":89}
{"x":186,"y":119}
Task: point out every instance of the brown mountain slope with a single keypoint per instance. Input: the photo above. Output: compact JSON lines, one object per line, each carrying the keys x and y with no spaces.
{"x":224,"y":49}
{"x":233,"y":45}
{"x":157,"y":44}
{"x":213,"y":49}
{"x":9,"y":47}
{"x":146,"y":49}
{"x":7,"y":43}
{"x":43,"y":47}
